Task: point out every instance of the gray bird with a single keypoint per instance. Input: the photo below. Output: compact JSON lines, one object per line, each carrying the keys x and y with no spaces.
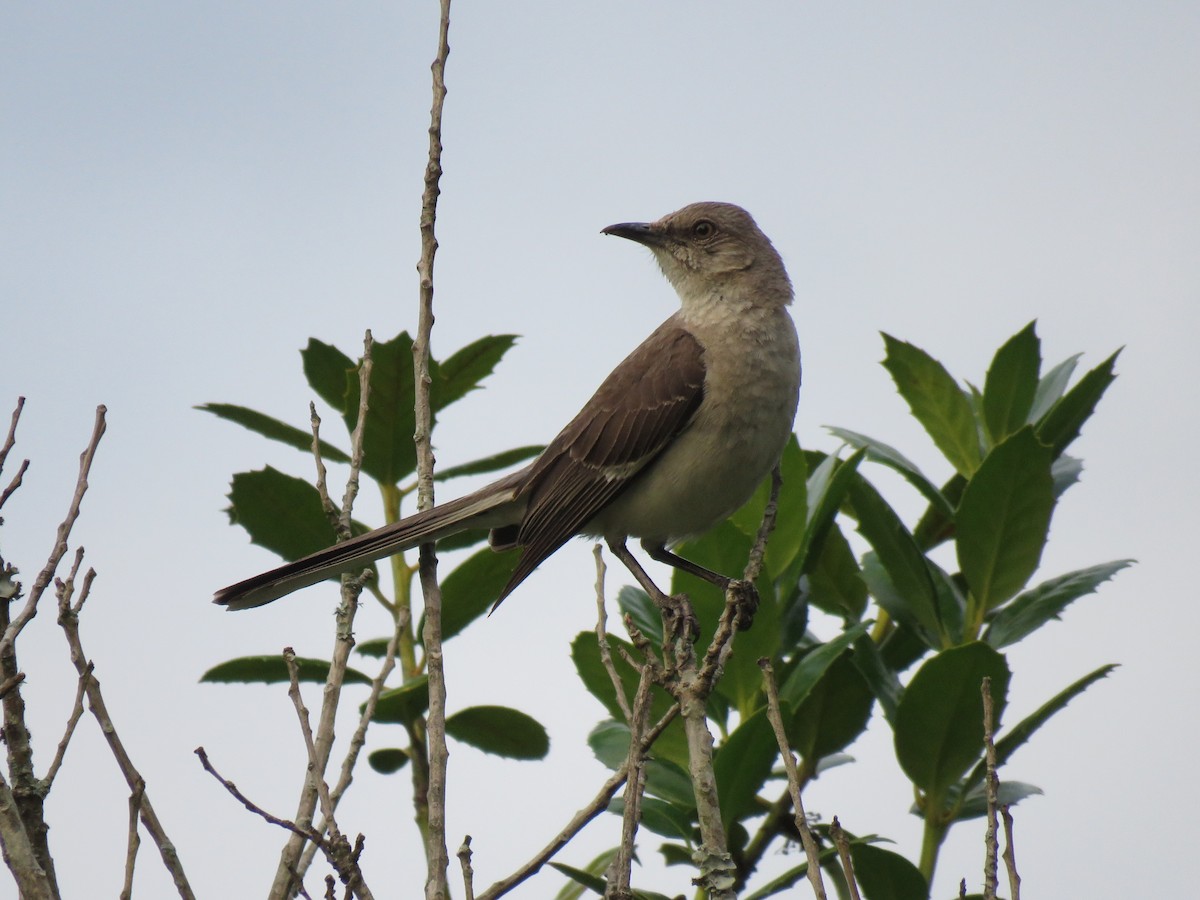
{"x":675,"y":439}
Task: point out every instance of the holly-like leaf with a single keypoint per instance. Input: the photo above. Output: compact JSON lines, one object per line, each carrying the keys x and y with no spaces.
{"x":271,"y":669}
{"x":463,"y":370}
{"x":1061,"y":425}
{"x":936,"y":401}
{"x":1012,"y":381}
{"x":500,"y":730}
{"x":325,"y":367}
{"x":939,"y":721}
{"x":1004,"y":518}
{"x":1044,"y":603}
{"x":272,"y":428}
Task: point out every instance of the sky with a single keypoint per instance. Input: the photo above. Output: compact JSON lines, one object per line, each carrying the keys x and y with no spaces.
{"x":192,"y":191}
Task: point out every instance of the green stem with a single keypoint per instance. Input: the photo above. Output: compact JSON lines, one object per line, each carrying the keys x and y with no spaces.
{"x":402,"y":581}
{"x":935,"y":832}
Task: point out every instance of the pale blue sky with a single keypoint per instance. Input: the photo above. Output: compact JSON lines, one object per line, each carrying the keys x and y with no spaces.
{"x":191,"y":191}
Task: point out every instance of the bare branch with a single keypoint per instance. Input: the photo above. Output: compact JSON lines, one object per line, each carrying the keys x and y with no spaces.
{"x":72,"y":721}
{"x":1010,"y":855}
{"x":793,"y":777}
{"x":992,"y":787}
{"x":11,"y":439}
{"x":133,"y":842}
{"x":843,"y":849}
{"x":33,"y":883}
{"x":602,"y":636}
{"x":464,"y":859}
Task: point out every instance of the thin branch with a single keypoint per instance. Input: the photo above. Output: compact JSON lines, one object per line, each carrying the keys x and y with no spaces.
{"x":72,"y":721}
{"x":305,"y":834}
{"x":1010,"y":855}
{"x":133,"y":842}
{"x":992,"y":787}
{"x":68,"y":618}
{"x":843,"y":849}
{"x":332,"y":513}
{"x":793,"y":777}
{"x":464,"y":859}
{"x":602,"y":636}
{"x":289,"y":658}
{"x":621,"y":870}
{"x":598,"y":804}
{"x":437,"y":856}
{"x":11,"y":439}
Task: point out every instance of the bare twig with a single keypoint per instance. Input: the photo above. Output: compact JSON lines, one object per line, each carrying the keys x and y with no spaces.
{"x":437,"y":856}
{"x":133,"y":842}
{"x":1010,"y":855}
{"x":15,"y":483}
{"x":11,"y":439}
{"x":597,"y":805}
{"x":621,"y":870}
{"x":68,"y":618}
{"x":793,"y":776}
{"x":305,"y":834}
{"x":72,"y":721}
{"x":289,"y":658}
{"x":602,"y":636}
{"x":843,"y":849}
{"x":464,"y":859}
{"x":992,"y":788}
{"x":331,"y":511}
{"x":286,"y":882}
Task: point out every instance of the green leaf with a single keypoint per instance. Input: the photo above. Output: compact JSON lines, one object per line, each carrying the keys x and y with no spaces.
{"x":490,"y":463}
{"x":827,"y":488}
{"x":472,"y":587}
{"x":1062,"y":423}
{"x":936,"y":401}
{"x":273,"y":429}
{"x":1010,"y":793}
{"x":1011,"y":383}
{"x":834,"y":713}
{"x":465,"y":368}
{"x":1041,"y":604}
{"x":281,"y":513}
{"x":805,"y":676}
{"x":592,"y":882}
{"x":885,"y":454}
{"x":742,"y":764}
{"x":1051,"y":387}
{"x":899,"y":556}
{"x":791,"y":511}
{"x":636,"y":603}
{"x":375,"y":647}
{"x":499,"y":730}
{"x":388,"y":761}
{"x":597,"y":866}
{"x":659,"y":816}
{"x":389,"y":454}
{"x":939,"y":721}
{"x":1004,"y":517}
{"x":609,"y":741}
{"x":886,"y":875}
{"x":879,"y":677}
{"x":1015,"y":737}
{"x":1065,"y":471}
{"x":325,"y":367}
{"x":271,"y":669}
{"x":835,"y":581}
{"x":405,"y":704}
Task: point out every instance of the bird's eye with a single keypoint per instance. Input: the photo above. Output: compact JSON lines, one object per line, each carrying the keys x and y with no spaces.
{"x":704,"y":229}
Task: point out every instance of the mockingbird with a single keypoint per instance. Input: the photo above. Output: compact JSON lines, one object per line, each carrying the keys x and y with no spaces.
{"x":676,"y":438}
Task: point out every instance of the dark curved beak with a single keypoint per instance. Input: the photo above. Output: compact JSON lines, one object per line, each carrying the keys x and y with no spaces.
{"x":641,"y":232}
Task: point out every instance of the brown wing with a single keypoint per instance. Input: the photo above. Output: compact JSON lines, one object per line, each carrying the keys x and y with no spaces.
{"x":638,"y":410}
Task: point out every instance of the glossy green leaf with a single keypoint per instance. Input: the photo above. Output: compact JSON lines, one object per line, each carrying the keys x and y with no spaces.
{"x":389,"y":454}
{"x":281,"y":513}
{"x":885,"y":454}
{"x":405,"y":704}
{"x":1004,"y":518}
{"x":1012,"y":381}
{"x":886,"y":875}
{"x":835,"y":582}
{"x":589,"y":880}
{"x":493,"y":463}
{"x":880,"y":678}
{"x":659,"y":816}
{"x":273,"y":429}
{"x":936,"y":401}
{"x":742,"y":764}
{"x":1051,"y":387}
{"x":462,"y":371}
{"x":387,"y":761}
{"x":1044,"y":603}
{"x":609,"y":741}
{"x":472,"y":587}
{"x":833,"y":714}
{"x":598,"y":865}
{"x":827,"y":489}
{"x":899,"y":556}
{"x":500,"y":730}
{"x":809,"y":671}
{"x":1062,"y":423}
{"x":1014,"y":738}
{"x":637,"y":605}
{"x":325,"y":367}
{"x":939,"y":721}
{"x":271,"y":669}
{"x":791,"y":511}
{"x":1010,"y":793}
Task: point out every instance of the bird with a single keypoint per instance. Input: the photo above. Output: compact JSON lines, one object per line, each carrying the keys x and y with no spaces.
{"x":674,"y":440}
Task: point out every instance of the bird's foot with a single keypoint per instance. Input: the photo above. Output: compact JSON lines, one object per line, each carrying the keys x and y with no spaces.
{"x":744,"y":596}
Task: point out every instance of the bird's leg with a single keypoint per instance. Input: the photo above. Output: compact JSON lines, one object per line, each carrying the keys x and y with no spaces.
{"x":677,"y":613}
{"x":744,"y":591}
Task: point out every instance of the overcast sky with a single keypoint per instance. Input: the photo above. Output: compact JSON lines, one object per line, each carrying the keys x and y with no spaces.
{"x":192,"y":190}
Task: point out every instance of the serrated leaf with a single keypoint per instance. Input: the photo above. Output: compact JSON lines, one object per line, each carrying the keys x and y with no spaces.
{"x":500,"y":730}
{"x":936,"y":401}
{"x":1004,"y":518}
{"x":271,"y":669}
{"x":899,"y":556}
{"x":273,"y":429}
{"x":885,"y":454}
{"x":462,"y":371}
{"x":325,"y":367}
{"x":1011,"y":384}
{"x":387,"y":761}
{"x":1044,"y":603}
{"x":1061,"y":425}
{"x":1010,"y":793}
{"x":492,"y":463}
{"x":403,"y":705}
{"x":939,"y":721}
{"x":1051,"y":387}
{"x":1014,"y":738}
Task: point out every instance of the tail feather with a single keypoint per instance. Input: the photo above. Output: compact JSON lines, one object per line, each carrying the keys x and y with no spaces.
{"x":493,"y":506}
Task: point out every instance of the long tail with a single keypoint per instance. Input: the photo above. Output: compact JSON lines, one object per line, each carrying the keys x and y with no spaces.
{"x":490,"y":507}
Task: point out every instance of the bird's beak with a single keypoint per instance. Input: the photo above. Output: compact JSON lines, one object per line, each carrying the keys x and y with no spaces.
{"x":641,"y":232}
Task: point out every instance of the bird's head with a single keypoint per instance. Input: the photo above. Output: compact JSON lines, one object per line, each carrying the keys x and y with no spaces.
{"x":708,"y":249}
